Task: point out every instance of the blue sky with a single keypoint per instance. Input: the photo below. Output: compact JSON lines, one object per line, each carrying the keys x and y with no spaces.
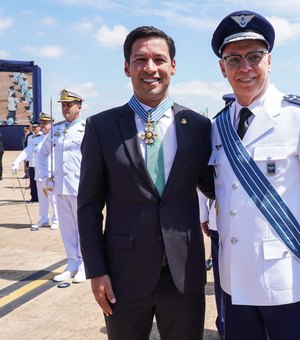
{"x":78,"y":45}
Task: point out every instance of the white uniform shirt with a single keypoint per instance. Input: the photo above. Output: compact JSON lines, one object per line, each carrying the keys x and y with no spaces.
{"x":255,"y":266}
{"x":30,"y":152}
{"x":207,"y":213}
{"x":67,"y":157}
{"x":166,"y":126}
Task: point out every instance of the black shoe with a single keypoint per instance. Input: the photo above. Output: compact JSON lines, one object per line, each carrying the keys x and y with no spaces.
{"x":208,"y":264}
{"x":30,"y":202}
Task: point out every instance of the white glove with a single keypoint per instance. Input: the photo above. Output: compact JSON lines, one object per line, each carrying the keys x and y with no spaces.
{"x":50,"y":183}
{"x":14,"y":168}
{"x":47,"y":183}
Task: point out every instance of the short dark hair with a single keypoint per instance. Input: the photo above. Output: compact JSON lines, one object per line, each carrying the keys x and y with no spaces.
{"x":144,"y":32}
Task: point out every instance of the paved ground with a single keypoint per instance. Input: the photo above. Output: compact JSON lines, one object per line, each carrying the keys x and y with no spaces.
{"x":31,"y":305}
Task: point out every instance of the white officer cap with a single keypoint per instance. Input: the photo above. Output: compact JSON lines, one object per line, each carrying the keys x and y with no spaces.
{"x":70,"y":96}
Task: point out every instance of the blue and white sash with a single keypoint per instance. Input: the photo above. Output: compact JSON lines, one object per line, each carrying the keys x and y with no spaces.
{"x":259,"y":189}
{"x":155,"y":114}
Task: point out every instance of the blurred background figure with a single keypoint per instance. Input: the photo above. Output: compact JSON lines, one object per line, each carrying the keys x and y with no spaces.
{"x":27,"y":132}
{"x":209,"y":227}
{"x":28,"y":154}
{"x":46,"y":198}
{"x":1,"y":155}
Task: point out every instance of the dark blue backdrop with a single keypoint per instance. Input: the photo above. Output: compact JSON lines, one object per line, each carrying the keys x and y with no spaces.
{"x":12,"y":135}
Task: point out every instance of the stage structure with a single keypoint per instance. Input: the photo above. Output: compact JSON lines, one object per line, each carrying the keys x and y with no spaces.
{"x":20,"y":99}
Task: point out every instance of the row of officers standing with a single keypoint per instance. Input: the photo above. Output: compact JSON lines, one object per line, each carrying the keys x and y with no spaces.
{"x":53,"y":151}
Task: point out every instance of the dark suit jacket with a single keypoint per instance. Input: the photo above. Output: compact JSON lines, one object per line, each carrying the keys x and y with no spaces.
{"x":139,"y":224}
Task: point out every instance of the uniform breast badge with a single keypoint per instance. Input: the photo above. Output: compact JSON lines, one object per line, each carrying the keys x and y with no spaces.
{"x":148,"y":135}
{"x":271,"y":168}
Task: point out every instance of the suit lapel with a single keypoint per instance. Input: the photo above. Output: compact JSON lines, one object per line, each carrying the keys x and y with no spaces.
{"x":128,"y":131}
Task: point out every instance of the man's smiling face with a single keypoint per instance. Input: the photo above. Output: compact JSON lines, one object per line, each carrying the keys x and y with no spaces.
{"x":150,"y":69}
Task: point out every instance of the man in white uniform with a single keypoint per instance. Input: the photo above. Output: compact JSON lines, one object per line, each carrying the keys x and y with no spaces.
{"x":30,"y":153}
{"x":256,"y":155}
{"x":46,"y":198}
{"x":66,"y":142}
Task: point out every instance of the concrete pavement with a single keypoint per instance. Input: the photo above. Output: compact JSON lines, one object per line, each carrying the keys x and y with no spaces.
{"x":31,"y":305}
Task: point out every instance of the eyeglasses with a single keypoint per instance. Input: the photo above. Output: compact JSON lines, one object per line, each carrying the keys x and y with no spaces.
{"x":253,"y":58}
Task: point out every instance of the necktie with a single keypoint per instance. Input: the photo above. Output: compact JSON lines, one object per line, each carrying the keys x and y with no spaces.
{"x":245,"y":113}
{"x":155,"y":161}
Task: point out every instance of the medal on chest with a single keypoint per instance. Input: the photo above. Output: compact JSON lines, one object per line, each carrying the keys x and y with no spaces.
{"x":149,"y":135}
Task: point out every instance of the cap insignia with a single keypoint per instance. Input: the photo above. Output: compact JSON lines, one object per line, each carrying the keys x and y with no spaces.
{"x":242,"y":20}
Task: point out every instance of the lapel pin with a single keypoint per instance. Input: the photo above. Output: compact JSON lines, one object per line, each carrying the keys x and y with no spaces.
{"x":183,"y":121}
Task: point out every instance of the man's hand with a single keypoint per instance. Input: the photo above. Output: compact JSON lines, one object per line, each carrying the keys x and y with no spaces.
{"x":14,"y":169}
{"x":205,"y":227}
{"x":103,"y":293}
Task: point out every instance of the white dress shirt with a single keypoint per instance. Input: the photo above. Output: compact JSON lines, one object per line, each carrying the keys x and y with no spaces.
{"x":167,"y":129}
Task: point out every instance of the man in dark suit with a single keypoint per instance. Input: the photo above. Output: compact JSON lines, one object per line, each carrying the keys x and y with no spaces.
{"x":149,"y":260}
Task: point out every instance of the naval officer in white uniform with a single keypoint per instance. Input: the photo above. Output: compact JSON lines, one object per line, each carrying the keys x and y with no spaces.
{"x":67,"y":136}
{"x":256,"y":155}
{"x":46,"y":198}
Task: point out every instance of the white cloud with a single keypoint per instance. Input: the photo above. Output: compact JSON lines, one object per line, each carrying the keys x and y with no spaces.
{"x":288,"y":7}
{"x":86,"y":24}
{"x":4,"y":54}
{"x":102,"y":4}
{"x":111,"y":37}
{"x":200,"y":88}
{"x":47,"y":51}
{"x":6,"y":23}
{"x":285,"y":30}
{"x":87,"y":90}
{"x":48,"y":21}
{"x":199,"y":23}
{"x":199,"y":95}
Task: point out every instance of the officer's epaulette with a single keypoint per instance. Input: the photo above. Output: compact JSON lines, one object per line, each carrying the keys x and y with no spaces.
{"x":292,"y":98}
{"x":227,"y":105}
{"x":57,"y":123}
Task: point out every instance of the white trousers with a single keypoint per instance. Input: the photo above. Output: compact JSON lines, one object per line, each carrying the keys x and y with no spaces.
{"x":44,"y":205}
{"x":67,"y":215}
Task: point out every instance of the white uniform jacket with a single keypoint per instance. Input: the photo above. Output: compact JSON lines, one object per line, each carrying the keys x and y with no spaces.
{"x":207,"y":213}
{"x":37,"y":168}
{"x":67,"y":157}
{"x":255,"y":266}
{"x":30,"y":152}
